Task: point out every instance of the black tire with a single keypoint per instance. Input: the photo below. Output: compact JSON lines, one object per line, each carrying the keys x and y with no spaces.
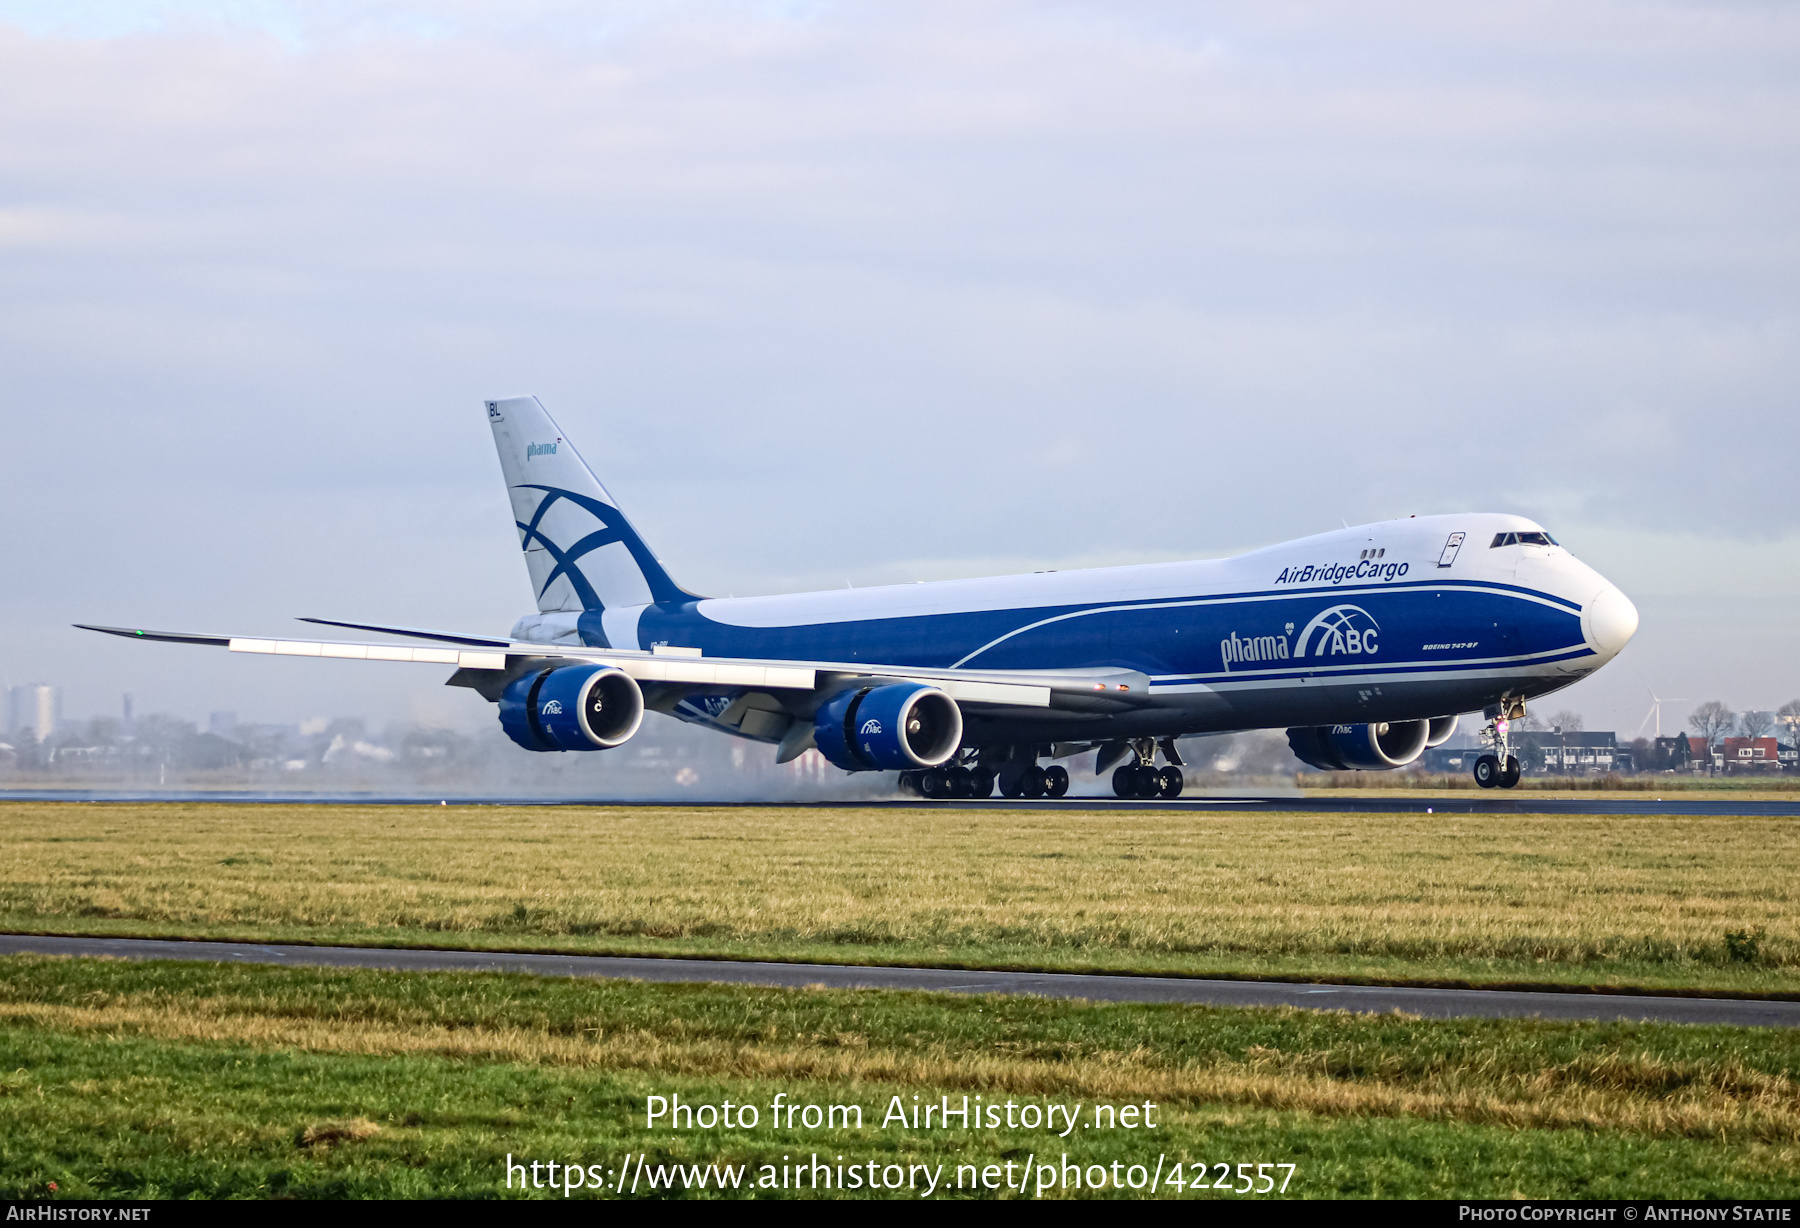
{"x":934,"y":784}
{"x":1056,"y":781}
{"x":981,"y":782}
{"x":1149,"y":784}
{"x":1509,"y":775}
{"x":1010,"y":784}
{"x":1487,"y":771}
{"x":960,"y":783}
{"x":1170,"y":781}
{"x":1032,"y":782}
{"x":1125,"y":780}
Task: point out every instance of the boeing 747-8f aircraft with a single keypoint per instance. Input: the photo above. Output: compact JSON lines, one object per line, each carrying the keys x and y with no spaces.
{"x":1364,"y":644}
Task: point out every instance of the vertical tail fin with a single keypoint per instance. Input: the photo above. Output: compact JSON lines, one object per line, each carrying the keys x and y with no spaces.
{"x":581,"y":551}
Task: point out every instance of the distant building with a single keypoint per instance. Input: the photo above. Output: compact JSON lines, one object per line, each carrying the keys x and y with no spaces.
{"x":1750,"y":755}
{"x":1537,"y":753}
{"x":1450,"y":760}
{"x":36,"y":704}
{"x":1673,"y":754}
{"x":1559,"y":753}
{"x":209,"y":750}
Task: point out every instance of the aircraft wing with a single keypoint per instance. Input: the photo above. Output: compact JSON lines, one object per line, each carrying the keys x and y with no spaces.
{"x":487,"y":665}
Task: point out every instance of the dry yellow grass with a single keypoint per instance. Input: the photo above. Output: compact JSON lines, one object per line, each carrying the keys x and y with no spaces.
{"x":332,"y":1133}
{"x":1491,"y":897}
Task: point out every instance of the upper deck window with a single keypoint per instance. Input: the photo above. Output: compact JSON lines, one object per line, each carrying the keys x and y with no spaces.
{"x":1522,"y":539}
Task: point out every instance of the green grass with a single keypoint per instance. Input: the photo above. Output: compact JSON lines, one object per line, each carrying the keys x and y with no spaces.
{"x":1444,"y":899}
{"x":161,"y":1080}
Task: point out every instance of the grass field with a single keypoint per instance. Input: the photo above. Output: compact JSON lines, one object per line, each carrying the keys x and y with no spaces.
{"x":1692,"y":903}
{"x":193,"y":1079}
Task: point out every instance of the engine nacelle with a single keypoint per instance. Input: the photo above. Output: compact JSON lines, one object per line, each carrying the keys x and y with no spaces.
{"x":1362,"y":748}
{"x":899,"y":726}
{"x":1441,"y":729}
{"x":574,"y":707}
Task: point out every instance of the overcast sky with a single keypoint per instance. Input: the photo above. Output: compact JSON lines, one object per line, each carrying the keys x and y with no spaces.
{"x":845,"y":293}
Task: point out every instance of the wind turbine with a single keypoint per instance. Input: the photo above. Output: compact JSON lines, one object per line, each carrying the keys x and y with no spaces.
{"x":1656,"y":703}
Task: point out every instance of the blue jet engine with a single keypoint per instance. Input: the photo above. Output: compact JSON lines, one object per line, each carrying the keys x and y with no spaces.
{"x":572,"y":707}
{"x":1370,"y":747}
{"x":902,"y":725}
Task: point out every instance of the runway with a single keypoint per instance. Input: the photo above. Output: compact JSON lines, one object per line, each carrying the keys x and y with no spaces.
{"x":1449,"y":803}
{"x":1430,"y":1003}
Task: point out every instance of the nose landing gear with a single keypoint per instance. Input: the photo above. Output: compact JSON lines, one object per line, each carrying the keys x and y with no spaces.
{"x":1500,"y":770}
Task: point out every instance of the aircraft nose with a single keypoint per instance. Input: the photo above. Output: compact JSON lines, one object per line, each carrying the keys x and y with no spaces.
{"x":1609,"y":621}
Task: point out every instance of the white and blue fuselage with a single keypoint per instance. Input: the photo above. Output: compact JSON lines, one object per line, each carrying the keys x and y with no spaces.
{"x":1402,"y":620}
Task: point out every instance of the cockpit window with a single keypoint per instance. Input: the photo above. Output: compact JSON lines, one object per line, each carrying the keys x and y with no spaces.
{"x":1522,"y":539}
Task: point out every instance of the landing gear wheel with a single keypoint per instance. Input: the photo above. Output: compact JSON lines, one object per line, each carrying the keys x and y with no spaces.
{"x":981,"y":783}
{"x":962,"y":782}
{"x":1509,"y":775}
{"x":1125,"y":781}
{"x":1149,"y":783}
{"x":1487,"y":771}
{"x":934,"y":784}
{"x":1056,"y":781}
{"x":1032,"y":782}
{"x":1170,"y":781}
{"x":1011,"y":784}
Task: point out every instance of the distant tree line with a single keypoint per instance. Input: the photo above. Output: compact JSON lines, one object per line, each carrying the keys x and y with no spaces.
{"x":1712,"y":720}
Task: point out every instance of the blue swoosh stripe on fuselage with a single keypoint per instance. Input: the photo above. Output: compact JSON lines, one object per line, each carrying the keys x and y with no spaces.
{"x":1351,"y":673}
{"x":1161,"y":636}
{"x":1231,"y":599}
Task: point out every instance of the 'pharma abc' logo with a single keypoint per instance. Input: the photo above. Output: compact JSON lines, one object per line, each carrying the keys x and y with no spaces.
{"x":540,"y":449}
{"x":1343,"y":630}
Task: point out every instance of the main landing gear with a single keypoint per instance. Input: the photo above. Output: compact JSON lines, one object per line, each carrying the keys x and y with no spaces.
{"x":1499,"y":770}
{"x":1035,"y":781}
{"x":1015,"y":771}
{"x":967,"y":781}
{"x":1143,"y":778}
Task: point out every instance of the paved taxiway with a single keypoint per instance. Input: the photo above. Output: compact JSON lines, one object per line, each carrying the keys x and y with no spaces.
{"x":1431,"y":1003}
{"x":1451,"y":803}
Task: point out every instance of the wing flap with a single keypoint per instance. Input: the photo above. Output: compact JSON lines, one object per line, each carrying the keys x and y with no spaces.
{"x":1002,"y":694}
{"x":464,"y":658}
